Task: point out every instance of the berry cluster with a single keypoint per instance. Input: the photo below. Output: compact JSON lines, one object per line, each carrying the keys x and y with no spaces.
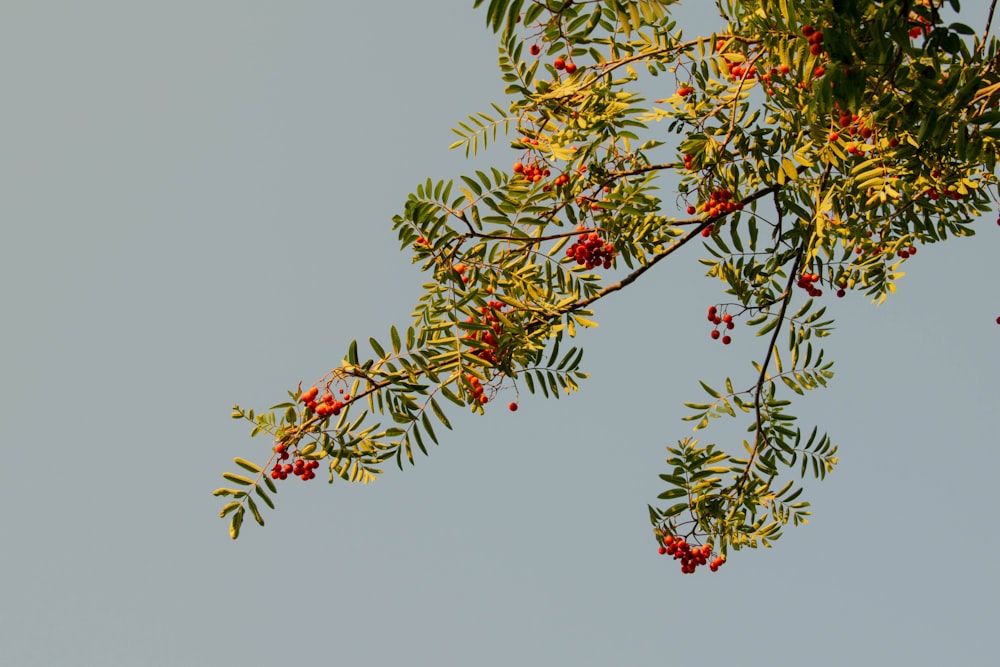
{"x":921,"y":26}
{"x":325,"y":406}
{"x":850,"y":125}
{"x":561,"y":63}
{"x":477,"y":389}
{"x":807,"y":282}
{"x":490,"y":337}
{"x":815,"y":38}
{"x":301,"y":468}
{"x":532,"y":171}
{"x":690,"y":557}
{"x":719,"y":202}
{"x":684,"y":91}
{"x":591,"y":250}
{"x":689,"y":163}
{"x":725,"y":320}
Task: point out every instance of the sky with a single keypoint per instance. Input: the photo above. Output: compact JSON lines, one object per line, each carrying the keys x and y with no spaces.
{"x":196,"y":212}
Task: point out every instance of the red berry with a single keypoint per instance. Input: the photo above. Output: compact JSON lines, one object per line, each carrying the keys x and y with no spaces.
{"x":808,"y":30}
{"x":559,"y":63}
{"x":570,"y":67}
{"x":662,"y":550}
{"x":833,"y":137}
{"x":726,"y":340}
{"x":691,"y":210}
{"x":716,"y":334}
{"x":816,"y":49}
{"x":512,"y":407}
{"x":535,"y":49}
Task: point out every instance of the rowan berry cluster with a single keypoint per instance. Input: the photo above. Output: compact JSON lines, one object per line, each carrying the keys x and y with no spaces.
{"x":684,"y":91}
{"x":476,"y":387}
{"x":531,"y":171}
{"x":325,"y":406}
{"x":807,"y":281}
{"x":725,"y":320}
{"x":736,"y":70}
{"x":489,"y":336}
{"x":591,"y":250}
{"x":561,"y":63}
{"x":851,"y":125}
{"x":304,"y":470}
{"x":719,"y":202}
{"x":815,"y":38}
{"x":690,"y":557}
{"x":921,"y":26}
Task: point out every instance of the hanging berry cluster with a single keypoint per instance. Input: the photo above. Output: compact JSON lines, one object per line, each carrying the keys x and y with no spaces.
{"x":304,"y":470}
{"x":725,"y":320}
{"x":808,"y":282}
{"x":815,"y":38}
{"x":690,"y":557}
{"x":531,"y":171}
{"x":719,"y":203}
{"x":476,"y":387}
{"x":850,"y":125}
{"x":591,"y":250}
{"x":325,"y":406}
{"x":490,"y":336}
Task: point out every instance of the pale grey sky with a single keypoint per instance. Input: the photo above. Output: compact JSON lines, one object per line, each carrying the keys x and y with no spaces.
{"x":195,"y":211}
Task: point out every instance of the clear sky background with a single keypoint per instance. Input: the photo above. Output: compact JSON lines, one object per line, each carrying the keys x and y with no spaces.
{"x":196,"y":211}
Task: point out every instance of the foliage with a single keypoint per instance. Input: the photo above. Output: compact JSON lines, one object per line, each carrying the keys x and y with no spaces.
{"x":818,"y":145}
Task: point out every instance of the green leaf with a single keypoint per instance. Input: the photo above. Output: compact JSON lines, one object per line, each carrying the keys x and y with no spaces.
{"x":439,"y":413}
{"x":256,"y":512}
{"x":235,"y":523}
{"x":247,"y":465}
{"x":237,"y":479}
{"x":263,"y":496}
{"x":228,"y":507}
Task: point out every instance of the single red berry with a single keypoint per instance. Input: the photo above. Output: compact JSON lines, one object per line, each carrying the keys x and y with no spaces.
{"x":727,"y":318}
{"x":484,"y":400}
{"x":559,"y":63}
{"x":816,"y":49}
{"x":715,"y":334}
{"x":833,"y":137}
{"x":512,"y":407}
{"x":662,"y":550}
{"x":691,"y":210}
{"x":808,"y":30}
{"x":726,"y":340}
{"x":535,"y":49}
{"x":570,"y":67}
